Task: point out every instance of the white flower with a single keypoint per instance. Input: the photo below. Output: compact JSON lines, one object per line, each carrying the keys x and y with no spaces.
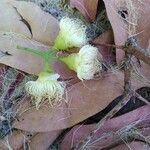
{"x":72,"y":34}
{"x":86,"y":63}
{"x":46,"y":87}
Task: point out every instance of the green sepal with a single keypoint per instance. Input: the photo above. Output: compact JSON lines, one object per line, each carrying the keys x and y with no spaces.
{"x":60,"y":43}
{"x":70,"y":61}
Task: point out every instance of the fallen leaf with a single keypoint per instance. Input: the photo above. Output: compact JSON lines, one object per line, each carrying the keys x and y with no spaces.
{"x":44,"y":27}
{"x":2,"y":66}
{"x":119,"y":25}
{"x":33,"y":24}
{"x":37,"y":141}
{"x":15,"y":140}
{"x":81,"y":131}
{"x":133,"y":145}
{"x":19,"y":59}
{"x":10,"y":20}
{"x":14,"y":32}
{"x":105,"y":38}
{"x":42,"y":141}
{"x":68,"y":75}
{"x":80,"y":96}
{"x":88,"y":8}
{"x":84,"y":100}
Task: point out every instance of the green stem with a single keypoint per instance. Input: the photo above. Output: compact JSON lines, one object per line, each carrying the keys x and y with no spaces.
{"x":46,"y":55}
{"x":33,"y":51}
{"x":47,"y":67}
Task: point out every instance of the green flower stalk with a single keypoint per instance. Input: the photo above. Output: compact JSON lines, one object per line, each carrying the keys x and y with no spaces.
{"x":86,"y":63}
{"x":46,"y":55}
{"x":72,"y":34}
{"x":47,"y":86}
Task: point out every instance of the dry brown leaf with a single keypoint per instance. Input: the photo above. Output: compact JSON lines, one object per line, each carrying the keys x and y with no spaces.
{"x":105,"y":38}
{"x":19,"y":59}
{"x":37,"y":141}
{"x":133,"y":145}
{"x":2,"y":66}
{"x":85,"y":99}
{"x":42,"y":141}
{"x":14,"y":32}
{"x":15,"y":140}
{"x":10,"y":20}
{"x":119,"y":24}
{"x":88,"y":8}
{"x":65,"y":73}
{"x":27,"y":19}
{"x":79,"y":132}
{"x":44,"y":27}
{"x":121,"y":33}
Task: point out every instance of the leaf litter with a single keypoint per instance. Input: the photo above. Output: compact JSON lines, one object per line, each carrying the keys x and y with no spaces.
{"x":12,"y":78}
